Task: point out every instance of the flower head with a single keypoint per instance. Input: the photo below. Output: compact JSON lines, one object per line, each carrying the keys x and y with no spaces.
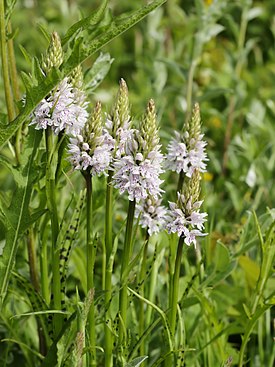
{"x":184,"y":217}
{"x":59,"y":112}
{"x":151,"y":214}
{"x":137,"y":172}
{"x":88,"y":150}
{"x":186,"y":151}
{"x":64,"y":108}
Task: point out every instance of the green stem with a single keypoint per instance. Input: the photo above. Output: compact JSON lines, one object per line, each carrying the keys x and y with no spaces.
{"x":32,"y":259}
{"x":35,"y":283}
{"x":190,"y":88}
{"x":175,"y":289}
{"x":15,"y":89}
{"x":174,"y":298}
{"x":141,"y":292}
{"x":107,"y":272}
{"x":126,"y":255}
{"x":13,"y":69}
{"x":91,"y":360}
{"x":51,"y":202}
{"x":5,"y":64}
{"x":44,"y":265}
{"x":180,"y":182}
{"x":266,"y":266}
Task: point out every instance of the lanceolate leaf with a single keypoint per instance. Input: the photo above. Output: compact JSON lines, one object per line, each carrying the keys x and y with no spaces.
{"x":91,"y":20}
{"x":83,"y":49}
{"x":136,"y":362}
{"x":17,"y":213}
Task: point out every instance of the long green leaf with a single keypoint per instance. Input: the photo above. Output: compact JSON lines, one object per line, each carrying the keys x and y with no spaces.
{"x":136,"y":362}
{"x":17,"y":214}
{"x":83,"y":49}
{"x":91,"y":20}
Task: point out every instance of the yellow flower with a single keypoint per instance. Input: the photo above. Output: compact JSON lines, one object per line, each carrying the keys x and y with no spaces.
{"x":207,"y":176}
{"x":216,"y":122}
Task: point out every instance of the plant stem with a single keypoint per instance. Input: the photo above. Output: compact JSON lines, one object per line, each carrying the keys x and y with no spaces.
{"x":90,"y":248}
{"x":44,"y":271}
{"x":13,"y":69}
{"x":180,"y":183}
{"x":5,"y":64}
{"x":141,"y":292}
{"x":267,"y":261}
{"x":15,"y":89}
{"x":126,"y":254}
{"x":107,"y":272}
{"x":51,"y":202}
{"x":35,"y":283}
{"x":175,"y":290}
{"x":190,"y":87}
{"x":32,"y":259}
{"x":174,"y":298}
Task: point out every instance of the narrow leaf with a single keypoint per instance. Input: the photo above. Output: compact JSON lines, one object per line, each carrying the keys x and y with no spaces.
{"x":136,"y":362}
{"x":91,"y":20}
{"x":18,"y":211}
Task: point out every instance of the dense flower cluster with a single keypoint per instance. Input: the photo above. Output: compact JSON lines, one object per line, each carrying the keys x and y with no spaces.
{"x":64,"y":108}
{"x":151,"y":214}
{"x":138,"y":174}
{"x":185,"y":154}
{"x":138,"y":170}
{"x":59,"y":111}
{"x":185,"y":219}
{"x":82,"y":159}
{"x":89,"y":150}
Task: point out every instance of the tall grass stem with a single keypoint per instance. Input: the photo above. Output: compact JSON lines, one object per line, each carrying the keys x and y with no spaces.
{"x":91,"y":252}
{"x":141,"y":292}
{"x":107,"y":273}
{"x":126,"y":255}
{"x":51,"y":203}
{"x":5,"y":64}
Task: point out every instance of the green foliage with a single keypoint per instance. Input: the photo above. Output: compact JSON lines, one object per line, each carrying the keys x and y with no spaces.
{"x":218,"y":53}
{"x":16,"y":213}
